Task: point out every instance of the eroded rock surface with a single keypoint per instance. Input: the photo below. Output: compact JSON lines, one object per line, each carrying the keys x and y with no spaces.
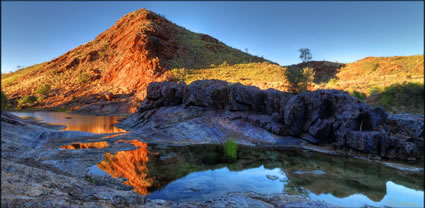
{"x":210,"y":111}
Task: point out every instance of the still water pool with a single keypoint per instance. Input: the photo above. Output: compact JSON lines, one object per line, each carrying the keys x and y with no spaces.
{"x":77,"y":122}
{"x":201,"y":172}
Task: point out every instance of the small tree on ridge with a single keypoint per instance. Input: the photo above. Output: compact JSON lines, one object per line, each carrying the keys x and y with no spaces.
{"x":305,"y":54}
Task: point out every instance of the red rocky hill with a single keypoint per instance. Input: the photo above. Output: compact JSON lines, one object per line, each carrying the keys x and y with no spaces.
{"x":111,"y":73}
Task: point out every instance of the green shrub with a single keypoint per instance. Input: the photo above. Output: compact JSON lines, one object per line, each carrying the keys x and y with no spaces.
{"x":359,"y":95}
{"x":299,"y":79}
{"x":83,"y":78}
{"x":43,"y":90}
{"x":230,"y":150}
{"x":405,"y":95}
{"x":26,"y":100}
{"x":4,"y":101}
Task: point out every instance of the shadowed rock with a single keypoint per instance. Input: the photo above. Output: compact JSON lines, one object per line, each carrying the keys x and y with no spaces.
{"x":320,"y":117}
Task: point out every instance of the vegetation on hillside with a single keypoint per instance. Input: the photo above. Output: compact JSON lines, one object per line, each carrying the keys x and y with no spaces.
{"x":26,"y":101}
{"x":201,"y":51}
{"x":324,"y":71}
{"x":377,"y":72}
{"x":299,"y":79}
{"x":248,"y":73}
{"x":42,"y":92}
{"x":402,"y":97}
{"x":10,"y":78}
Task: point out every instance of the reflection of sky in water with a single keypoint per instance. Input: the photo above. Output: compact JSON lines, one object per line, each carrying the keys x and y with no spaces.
{"x":397,"y":196}
{"x":215,"y":183}
{"x":86,"y":123}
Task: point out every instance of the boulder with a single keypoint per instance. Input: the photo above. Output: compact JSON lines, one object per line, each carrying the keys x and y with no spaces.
{"x":365,"y":141}
{"x":322,"y":130}
{"x":407,"y":125}
{"x":246,"y":98}
{"x":207,"y":93}
{"x":272,"y":100}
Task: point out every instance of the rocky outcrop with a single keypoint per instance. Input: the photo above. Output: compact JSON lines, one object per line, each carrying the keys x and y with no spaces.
{"x":324,"y":117}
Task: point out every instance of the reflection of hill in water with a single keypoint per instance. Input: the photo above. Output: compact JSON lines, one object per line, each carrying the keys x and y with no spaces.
{"x":129,"y":164}
{"x":343,"y":177}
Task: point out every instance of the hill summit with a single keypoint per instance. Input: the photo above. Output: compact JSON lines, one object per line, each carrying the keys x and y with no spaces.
{"x":117,"y":66}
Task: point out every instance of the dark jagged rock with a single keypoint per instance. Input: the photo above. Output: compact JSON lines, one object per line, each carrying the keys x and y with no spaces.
{"x":365,"y":141}
{"x":208,"y":93}
{"x":320,"y":117}
{"x":407,"y":125}
{"x":167,"y":94}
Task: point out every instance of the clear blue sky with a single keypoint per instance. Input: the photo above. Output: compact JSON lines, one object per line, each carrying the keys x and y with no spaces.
{"x":34,"y":32}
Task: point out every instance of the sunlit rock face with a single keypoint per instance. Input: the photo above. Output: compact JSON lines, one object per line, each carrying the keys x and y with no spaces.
{"x":86,"y":145}
{"x":129,"y":164}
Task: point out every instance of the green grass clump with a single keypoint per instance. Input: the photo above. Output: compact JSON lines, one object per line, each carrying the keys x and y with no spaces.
{"x":402,"y":97}
{"x":230,"y":150}
{"x":4,"y":101}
